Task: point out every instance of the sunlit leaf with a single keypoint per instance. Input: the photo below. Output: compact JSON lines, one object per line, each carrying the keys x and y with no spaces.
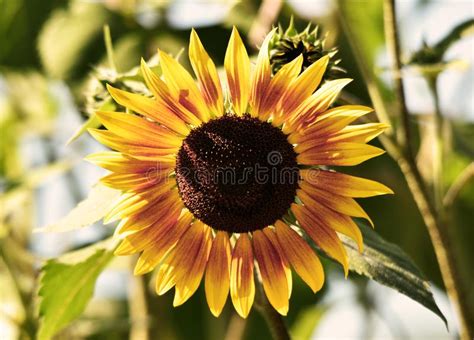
{"x":66,"y":286}
{"x":387,"y":264}
{"x":87,"y":212}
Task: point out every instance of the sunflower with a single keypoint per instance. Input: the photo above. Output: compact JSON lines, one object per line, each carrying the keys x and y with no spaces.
{"x":231,"y":182}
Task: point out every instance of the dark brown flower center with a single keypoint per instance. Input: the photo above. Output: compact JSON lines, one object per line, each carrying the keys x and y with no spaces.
{"x":237,"y":174}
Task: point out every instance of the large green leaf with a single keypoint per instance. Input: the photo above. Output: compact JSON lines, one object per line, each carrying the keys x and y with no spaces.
{"x":90,"y":210}
{"x":66,"y":286}
{"x":387,"y":264}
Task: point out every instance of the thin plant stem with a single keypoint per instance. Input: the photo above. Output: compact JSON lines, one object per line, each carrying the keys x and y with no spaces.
{"x":393,"y":46}
{"x":138,"y":307}
{"x":109,"y":47}
{"x":466,"y":175}
{"x":275,"y":321}
{"x":440,"y":237}
{"x":236,"y":328}
{"x":438,"y":148}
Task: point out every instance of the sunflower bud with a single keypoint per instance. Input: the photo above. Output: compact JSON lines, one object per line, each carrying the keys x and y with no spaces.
{"x":287,"y":45}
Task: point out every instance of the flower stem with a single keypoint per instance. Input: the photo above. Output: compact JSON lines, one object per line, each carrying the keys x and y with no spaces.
{"x":436,"y":225}
{"x":274,"y":320}
{"x":138,"y":307}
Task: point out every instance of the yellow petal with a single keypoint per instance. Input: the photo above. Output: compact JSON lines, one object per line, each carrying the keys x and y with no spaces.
{"x":191,"y":270}
{"x":206,"y":73}
{"x":342,"y":184}
{"x":273,"y":273}
{"x":362,"y":133}
{"x":316,"y":104}
{"x":174,"y":267}
{"x":166,"y":276}
{"x":129,"y":181}
{"x":135,"y":203}
{"x":344,"y":205}
{"x":140,"y":130}
{"x":148,"y":108}
{"x":121,"y":144}
{"x":339,"y":222}
{"x":162,"y":245}
{"x":261,"y":77}
{"x":300,"y":255}
{"x":160,"y":213}
{"x":271,"y":235}
{"x":166,"y":101}
{"x":323,"y":236}
{"x":145,"y":238}
{"x":182,"y":86}
{"x":217,"y":280}
{"x":119,"y":163}
{"x":302,"y":88}
{"x":237,"y":67}
{"x":339,"y":154}
{"x":278,"y":85}
{"x":327,"y":123}
{"x":242,"y":285}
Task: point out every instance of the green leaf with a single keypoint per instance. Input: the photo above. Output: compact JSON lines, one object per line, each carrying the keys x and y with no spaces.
{"x":90,"y":210}
{"x":66,"y":286}
{"x":387,"y":264}
{"x":307,"y":321}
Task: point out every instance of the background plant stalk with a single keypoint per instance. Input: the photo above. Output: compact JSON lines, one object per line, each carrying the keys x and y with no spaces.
{"x":432,"y":213}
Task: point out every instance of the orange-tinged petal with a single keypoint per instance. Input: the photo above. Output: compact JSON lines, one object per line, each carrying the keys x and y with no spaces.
{"x":119,"y":163}
{"x":301,"y":88}
{"x":339,"y":154}
{"x":206,"y":73}
{"x":134,"y":203}
{"x":272,"y":270}
{"x":362,"y":133}
{"x":123,"y":145}
{"x":138,"y":181}
{"x":164,"y":97}
{"x":175,"y":265}
{"x":143,"y":239}
{"x":323,"y":236}
{"x":315,"y":105}
{"x":329,"y":122}
{"x":278,"y":85}
{"x":162,"y":212}
{"x":271,"y":235}
{"x":149,"y":108}
{"x":162,"y":245}
{"x":342,"y":184}
{"x":182,"y":86}
{"x":339,"y":222}
{"x":344,"y":205}
{"x":217,"y":280}
{"x":190,"y":271}
{"x":237,"y":67}
{"x":261,"y":77}
{"x":300,"y":255}
{"x":140,"y":130}
{"x":242,"y":285}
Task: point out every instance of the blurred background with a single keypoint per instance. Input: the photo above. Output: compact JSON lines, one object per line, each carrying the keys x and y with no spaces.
{"x":53,"y":68}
